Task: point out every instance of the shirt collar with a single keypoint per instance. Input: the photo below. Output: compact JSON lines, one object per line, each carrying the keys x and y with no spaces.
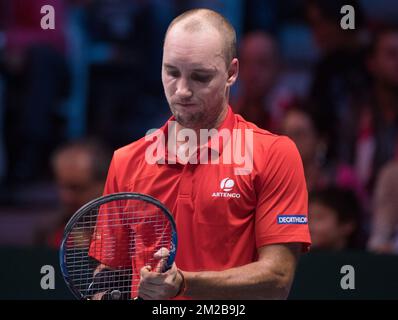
{"x":228,"y":124}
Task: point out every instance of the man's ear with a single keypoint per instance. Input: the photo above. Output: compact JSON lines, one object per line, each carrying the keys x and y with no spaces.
{"x":233,"y":71}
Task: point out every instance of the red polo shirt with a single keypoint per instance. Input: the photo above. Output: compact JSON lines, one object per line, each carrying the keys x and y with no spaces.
{"x":222,"y":217}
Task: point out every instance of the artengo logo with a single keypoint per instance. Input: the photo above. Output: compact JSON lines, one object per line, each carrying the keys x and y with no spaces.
{"x":226,"y":185}
{"x":292,"y":219}
{"x":225,"y":195}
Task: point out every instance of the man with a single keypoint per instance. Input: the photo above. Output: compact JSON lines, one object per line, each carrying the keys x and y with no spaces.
{"x":235,"y":244}
{"x":340,"y":76}
{"x":261,"y":99}
{"x":335,"y":220}
{"x":37,"y":78}
{"x":378,"y":121}
{"x":383,"y":236}
{"x":80,"y":169}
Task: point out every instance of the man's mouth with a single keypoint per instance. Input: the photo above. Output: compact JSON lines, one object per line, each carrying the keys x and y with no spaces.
{"x":185,"y":105}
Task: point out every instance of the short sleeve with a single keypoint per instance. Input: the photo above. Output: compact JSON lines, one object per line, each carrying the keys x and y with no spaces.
{"x":282,"y":208}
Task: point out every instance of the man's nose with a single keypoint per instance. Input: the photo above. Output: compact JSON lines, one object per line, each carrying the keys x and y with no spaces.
{"x":183,"y":89}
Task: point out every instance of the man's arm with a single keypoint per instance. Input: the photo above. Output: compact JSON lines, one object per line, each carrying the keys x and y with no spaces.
{"x":268,"y":278}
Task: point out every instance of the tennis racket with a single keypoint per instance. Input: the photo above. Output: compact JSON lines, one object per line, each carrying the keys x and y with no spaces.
{"x":108,"y":241}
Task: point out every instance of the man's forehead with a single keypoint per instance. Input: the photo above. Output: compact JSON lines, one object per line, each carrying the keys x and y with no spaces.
{"x":193,"y":26}
{"x":198,"y":49}
{"x":208,"y":39}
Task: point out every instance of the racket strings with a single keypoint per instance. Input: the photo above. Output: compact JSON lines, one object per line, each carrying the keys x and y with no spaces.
{"x":120,"y":238}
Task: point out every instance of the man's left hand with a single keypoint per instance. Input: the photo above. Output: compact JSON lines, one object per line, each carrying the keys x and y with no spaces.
{"x":159,"y":286}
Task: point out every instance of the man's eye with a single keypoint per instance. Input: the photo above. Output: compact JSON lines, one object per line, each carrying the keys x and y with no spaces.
{"x":201,"y":78}
{"x":174,"y":74}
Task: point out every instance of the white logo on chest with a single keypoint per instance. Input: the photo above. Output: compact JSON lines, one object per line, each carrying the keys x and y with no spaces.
{"x":226,"y":185}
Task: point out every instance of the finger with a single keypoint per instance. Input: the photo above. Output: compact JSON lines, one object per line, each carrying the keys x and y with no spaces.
{"x":98,"y":296}
{"x":145,"y":270}
{"x":162,"y":253}
{"x":154,"y":278}
{"x":172,"y":271}
{"x":151,"y":286}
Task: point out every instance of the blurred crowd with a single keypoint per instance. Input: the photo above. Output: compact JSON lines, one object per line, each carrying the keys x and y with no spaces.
{"x":70,"y":96}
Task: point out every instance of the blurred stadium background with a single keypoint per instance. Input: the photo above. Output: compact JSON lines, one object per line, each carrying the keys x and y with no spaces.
{"x":70,"y":96}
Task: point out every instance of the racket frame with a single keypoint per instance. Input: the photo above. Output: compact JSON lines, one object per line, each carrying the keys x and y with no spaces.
{"x":96,"y":203}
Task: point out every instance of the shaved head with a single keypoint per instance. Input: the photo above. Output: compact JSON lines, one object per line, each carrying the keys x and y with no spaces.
{"x":199,"y":67}
{"x":197,"y":20}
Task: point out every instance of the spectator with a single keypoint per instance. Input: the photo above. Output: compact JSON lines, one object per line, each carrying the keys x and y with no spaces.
{"x":312,"y":144}
{"x":125,"y":95}
{"x":260,"y":99}
{"x":340,"y":77}
{"x":36,"y":79}
{"x":384,"y":230}
{"x":80,"y":170}
{"x":335,"y":220}
{"x":378,"y":126}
